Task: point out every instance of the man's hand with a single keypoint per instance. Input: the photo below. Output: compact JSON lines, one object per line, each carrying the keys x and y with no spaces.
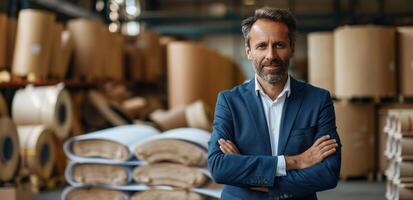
{"x":321,"y":149}
{"x":227,"y":147}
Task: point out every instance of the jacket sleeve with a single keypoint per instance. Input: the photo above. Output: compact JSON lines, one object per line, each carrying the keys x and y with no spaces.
{"x":322,"y":176}
{"x":235,"y":169}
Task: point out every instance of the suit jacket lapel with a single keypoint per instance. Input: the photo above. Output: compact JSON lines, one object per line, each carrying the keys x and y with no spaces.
{"x":256,"y":110}
{"x":291,"y":107}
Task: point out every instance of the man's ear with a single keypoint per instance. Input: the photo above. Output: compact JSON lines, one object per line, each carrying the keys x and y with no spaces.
{"x":248,"y":52}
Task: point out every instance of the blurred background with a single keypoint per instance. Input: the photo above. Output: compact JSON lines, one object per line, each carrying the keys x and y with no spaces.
{"x":72,"y":67}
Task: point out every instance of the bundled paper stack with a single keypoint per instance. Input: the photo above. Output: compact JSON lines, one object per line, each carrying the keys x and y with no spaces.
{"x":399,"y":151}
{"x":138,"y":162}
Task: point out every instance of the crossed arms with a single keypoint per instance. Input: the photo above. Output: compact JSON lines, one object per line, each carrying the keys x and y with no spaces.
{"x":314,"y":170}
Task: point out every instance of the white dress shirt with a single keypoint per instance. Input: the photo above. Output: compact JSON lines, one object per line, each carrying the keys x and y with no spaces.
{"x":273,"y":114}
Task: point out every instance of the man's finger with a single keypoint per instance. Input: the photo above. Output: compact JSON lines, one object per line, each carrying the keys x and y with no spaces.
{"x":328,"y":153}
{"x":327,"y":143}
{"x":328,"y":147}
{"x":227,"y":148}
{"x":321,"y":139}
{"x":232,"y":146}
{"x":224,"y":150}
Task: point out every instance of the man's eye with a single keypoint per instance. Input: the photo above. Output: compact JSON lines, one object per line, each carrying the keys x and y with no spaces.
{"x":261,"y":47}
{"x":279,"y":46}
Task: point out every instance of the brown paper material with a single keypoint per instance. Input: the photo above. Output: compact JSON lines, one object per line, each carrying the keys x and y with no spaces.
{"x":187,"y":78}
{"x":405,"y":52}
{"x":66,"y":49}
{"x":9,"y":152}
{"x":134,"y":63}
{"x":15,"y":193}
{"x":100,"y":148}
{"x":364,"y":61}
{"x":321,"y":60}
{"x":33,"y":43}
{"x":38,"y":150}
{"x":166,"y":195}
{"x":56,"y":53}
{"x":100,"y":174}
{"x":405,"y":193}
{"x":406,"y":169}
{"x":88,"y":47}
{"x":135,"y":107}
{"x":114,"y":67}
{"x":148,"y":41}
{"x":170,"y":174}
{"x":355,"y":124}
{"x":405,"y":121}
{"x":10,"y":41}
{"x":4,"y":110}
{"x":175,"y":151}
{"x":406,"y":146}
{"x":3,"y":41}
{"x":95,"y":194}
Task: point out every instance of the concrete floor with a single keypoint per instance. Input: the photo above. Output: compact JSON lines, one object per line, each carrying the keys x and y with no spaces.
{"x":349,"y":190}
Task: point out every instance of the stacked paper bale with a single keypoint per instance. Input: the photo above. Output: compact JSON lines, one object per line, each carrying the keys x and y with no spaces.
{"x":104,"y":166}
{"x":399,"y":151}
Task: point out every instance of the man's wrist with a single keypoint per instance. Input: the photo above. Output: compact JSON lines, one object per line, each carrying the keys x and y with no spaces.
{"x":293,"y":162}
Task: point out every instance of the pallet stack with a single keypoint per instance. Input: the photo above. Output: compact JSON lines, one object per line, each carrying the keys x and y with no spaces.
{"x":399,"y":152}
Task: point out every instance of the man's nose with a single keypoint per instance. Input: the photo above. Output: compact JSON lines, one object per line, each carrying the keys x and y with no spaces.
{"x":271,"y":53}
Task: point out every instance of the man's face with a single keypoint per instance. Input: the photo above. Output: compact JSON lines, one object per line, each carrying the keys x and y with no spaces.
{"x":270,"y":50}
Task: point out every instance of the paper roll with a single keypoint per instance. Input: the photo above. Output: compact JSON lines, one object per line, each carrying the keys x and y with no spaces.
{"x":33,"y":44}
{"x":148,"y":41}
{"x":88,"y":48}
{"x":185,"y":146}
{"x":113,"y":145}
{"x":114,"y":66}
{"x":171,"y":174}
{"x":355,"y":123}
{"x":321,"y":60}
{"x":364,"y":61}
{"x":10,"y":41}
{"x":3,"y":41}
{"x":405,"y":53}
{"x":405,"y":121}
{"x":166,"y":195}
{"x":93,"y":193}
{"x":197,"y":116}
{"x":4,"y":110}
{"x":406,"y":169}
{"x":111,"y":112}
{"x":135,"y":106}
{"x":90,"y":173}
{"x":9,"y":152}
{"x":47,"y":105}
{"x":56,"y":52}
{"x":187,"y":65}
{"x":134,"y":63}
{"x":404,"y":193}
{"x":37,"y":149}
{"x":405,"y":147}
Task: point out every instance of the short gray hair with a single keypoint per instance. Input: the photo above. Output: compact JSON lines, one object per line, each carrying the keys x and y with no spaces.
{"x":273,"y":14}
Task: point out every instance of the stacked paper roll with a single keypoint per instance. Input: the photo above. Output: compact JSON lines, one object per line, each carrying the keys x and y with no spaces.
{"x":364,"y":61}
{"x":148,"y":41}
{"x":126,"y":159}
{"x":9,"y":152}
{"x":134,"y":63}
{"x":33,"y":44}
{"x":194,"y":115}
{"x":355,"y":123}
{"x":88,"y":48}
{"x":93,"y":193}
{"x":399,"y":152}
{"x":114,"y":57}
{"x":405,"y":45}
{"x":62,"y":50}
{"x":4,"y":110}
{"x":321,"y":60}
{"x":38,"y":150}
{"x":56,"y":54}
{"x":48,"y":105}
{"x":3,"y":41}
{"x":10,"y":41}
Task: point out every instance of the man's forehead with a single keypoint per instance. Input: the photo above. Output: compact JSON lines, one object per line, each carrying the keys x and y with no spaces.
{"x":263,"y":29}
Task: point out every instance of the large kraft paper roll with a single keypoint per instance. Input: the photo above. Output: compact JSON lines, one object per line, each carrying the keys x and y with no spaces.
{"x":9,"y":149}
{"x":10,"y":41}
{"x":148,"y":41}
{"x":61,"y":51}
{"x":405,"y":52}
{"x":4,"y":110}
{"x":167,"y":195}
{"x":38,"y":150}
{"x":33,"y":43}
{"x":3,"y":41}
{"x":86,"y":193}
{"x":88,"y":48}
{"x":187,"y":78}
{"x":364,"y":61}
{"x":47,"y":105}
{"x":89,"y":173}
{"x":114,"y":66}
{"x":185,"y":146}
{"x":171,"y":174}
{"x":55,"y":57}
{"x":321,"y":60}
{"x":134,"y":63}
{"x":355,"y":123}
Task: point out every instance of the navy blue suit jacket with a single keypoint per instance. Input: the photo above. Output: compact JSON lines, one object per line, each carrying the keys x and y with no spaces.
{"x":308,"y":114}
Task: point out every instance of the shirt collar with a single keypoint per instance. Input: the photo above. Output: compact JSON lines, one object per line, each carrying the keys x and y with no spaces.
{"x":286,"y":89}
